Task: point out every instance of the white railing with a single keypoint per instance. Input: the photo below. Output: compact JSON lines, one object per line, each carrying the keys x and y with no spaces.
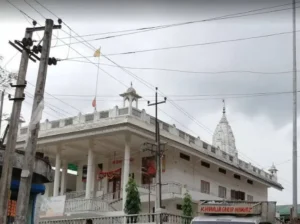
{"x":75,"y":194}
{"x":110,"y":197}
{"x":81,"y":205}
{"x":140,"y":218}
{"x":169,"y":187}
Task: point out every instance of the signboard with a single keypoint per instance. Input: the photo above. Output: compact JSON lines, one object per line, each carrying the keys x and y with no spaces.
{"x":219,"y":209}
{"x":52,"y":207}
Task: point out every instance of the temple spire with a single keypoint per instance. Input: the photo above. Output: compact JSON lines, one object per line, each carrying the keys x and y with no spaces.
{"x":224,"y":107}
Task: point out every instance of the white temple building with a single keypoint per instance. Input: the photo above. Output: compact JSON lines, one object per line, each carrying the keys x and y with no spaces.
{"x":104,"y":148}
{"x":223,"y":137}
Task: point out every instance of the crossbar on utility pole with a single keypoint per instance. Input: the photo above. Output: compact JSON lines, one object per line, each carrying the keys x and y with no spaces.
{"x":34,"y":125}
{"x":6,"y":174}
{"x":295,"y":184}
{"x":158,"y":152}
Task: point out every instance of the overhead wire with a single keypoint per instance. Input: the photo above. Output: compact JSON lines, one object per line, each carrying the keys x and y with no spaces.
{"x":183,"y":71}
{"x":145,"y":29}
{"x":199,"y":44}
{"x":150,"y":86}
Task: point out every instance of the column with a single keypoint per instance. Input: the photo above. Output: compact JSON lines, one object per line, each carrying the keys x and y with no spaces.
{"x":63,"y":183}
{"x":89,"y":174}
{"x":79,"y":177}
{"x":126,"y":167}
{"x":57,"y":174}
{"x":93,"y":178}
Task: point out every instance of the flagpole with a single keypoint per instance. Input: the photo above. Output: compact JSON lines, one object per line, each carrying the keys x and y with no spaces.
{"x":97,"y":80}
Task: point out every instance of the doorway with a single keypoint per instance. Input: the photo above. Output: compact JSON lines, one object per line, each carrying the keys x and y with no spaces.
{"x":114,"y":186}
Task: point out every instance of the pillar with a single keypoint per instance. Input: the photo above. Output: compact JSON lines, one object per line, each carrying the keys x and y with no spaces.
{"x":130,"y":105}
{"x":89,"y":178}
{"x":64,"y":174}
{"x":57,"y":174}
{"x":93,"y":178}
{"x":126,"y":168}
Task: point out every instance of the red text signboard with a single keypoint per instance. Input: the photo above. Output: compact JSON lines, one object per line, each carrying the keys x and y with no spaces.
{"x":227,"y":209}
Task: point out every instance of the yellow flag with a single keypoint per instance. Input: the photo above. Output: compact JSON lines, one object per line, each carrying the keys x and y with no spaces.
{"x":97,"y":53}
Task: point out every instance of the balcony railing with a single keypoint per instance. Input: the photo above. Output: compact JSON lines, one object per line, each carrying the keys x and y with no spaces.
{"x":83,"y":205}
{"x":142,"y":115}
{"x":139,"y":218}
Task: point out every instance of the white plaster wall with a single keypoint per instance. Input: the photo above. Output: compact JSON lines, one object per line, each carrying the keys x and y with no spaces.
{"x":191,"y":173}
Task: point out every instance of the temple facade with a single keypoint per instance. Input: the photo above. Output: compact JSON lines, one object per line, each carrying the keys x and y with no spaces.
{"x":103,"y":149}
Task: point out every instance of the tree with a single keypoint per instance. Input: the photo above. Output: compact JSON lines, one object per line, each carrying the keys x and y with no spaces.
{"x":6,"y":77}
{"x":133,"y":201}
{"x":187,"y":206}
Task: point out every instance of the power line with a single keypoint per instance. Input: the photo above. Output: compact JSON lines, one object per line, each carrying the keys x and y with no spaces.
{"x":148,"y":85}
{"x":199,"y":44}
{"x":188,"y":45}
{"x":146,"y":29}
{"x":182,"y":71}
{"x":184,"y":46}
{"x":192,"y":97}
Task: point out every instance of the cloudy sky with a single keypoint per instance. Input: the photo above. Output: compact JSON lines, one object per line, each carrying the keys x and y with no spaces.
{"x":261,"y":124}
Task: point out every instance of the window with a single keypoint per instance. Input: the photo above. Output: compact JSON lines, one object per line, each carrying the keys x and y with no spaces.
{"x":224,"y":154}
{"x":213,"y":149}
{"x":192,"y":139}
{"x":181,"y":134}
{"x":89,"y":117}
{"x":237,"y":195}
{"x":221,"y":170}
{"x":205,"y":187}
{"x":55,"y":124}
{"x":165,"y":127}
{"x":205,"y":145}
{"x":205,"y":164}
{"x":231,"y":158}
{"x":104,"y":114}
{"x":184,"y":156}
{"x":68,"y":121}
{"x":152,"y":120}
{"x":246,"y":165}
{"x":222,"y":192}
{"x":249,"y":198}
{"x":254,"y":169}
{"x":179,"y":207}
{"x":236,"y":176}
{"x":249,"y":181}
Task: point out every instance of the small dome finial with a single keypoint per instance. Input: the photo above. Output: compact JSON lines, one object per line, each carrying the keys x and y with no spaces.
{"x":224,"y":108}
{"x":131,"y":84}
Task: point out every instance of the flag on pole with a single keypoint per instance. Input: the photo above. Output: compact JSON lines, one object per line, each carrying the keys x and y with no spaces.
{"x":94,"y":103}
{"x":97,"y":53}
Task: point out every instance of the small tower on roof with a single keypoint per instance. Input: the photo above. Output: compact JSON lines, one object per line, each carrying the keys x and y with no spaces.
{"x":273,"y":171}
{"x":130,"y":95}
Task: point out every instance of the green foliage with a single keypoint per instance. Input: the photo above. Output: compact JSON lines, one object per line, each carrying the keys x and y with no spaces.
{"x":133,"y":201}
{"x":187,"y":206}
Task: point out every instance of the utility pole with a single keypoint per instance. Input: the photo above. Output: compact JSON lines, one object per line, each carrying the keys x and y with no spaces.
{"x":34,"y":125}
{"x":6,"y":174}
{"x":1,"y":107}
{"x":295,"y":184}
{"x":158,"y":154}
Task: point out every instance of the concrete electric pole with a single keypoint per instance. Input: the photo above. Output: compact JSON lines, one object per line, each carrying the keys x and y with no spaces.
{"x":36,"y":113}
{"x":295,"y":184}
{"x":158,"y":156}
{"x":6,"y":174}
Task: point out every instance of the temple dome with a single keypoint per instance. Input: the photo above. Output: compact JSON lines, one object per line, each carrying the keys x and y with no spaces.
{"x":223,"y":137}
